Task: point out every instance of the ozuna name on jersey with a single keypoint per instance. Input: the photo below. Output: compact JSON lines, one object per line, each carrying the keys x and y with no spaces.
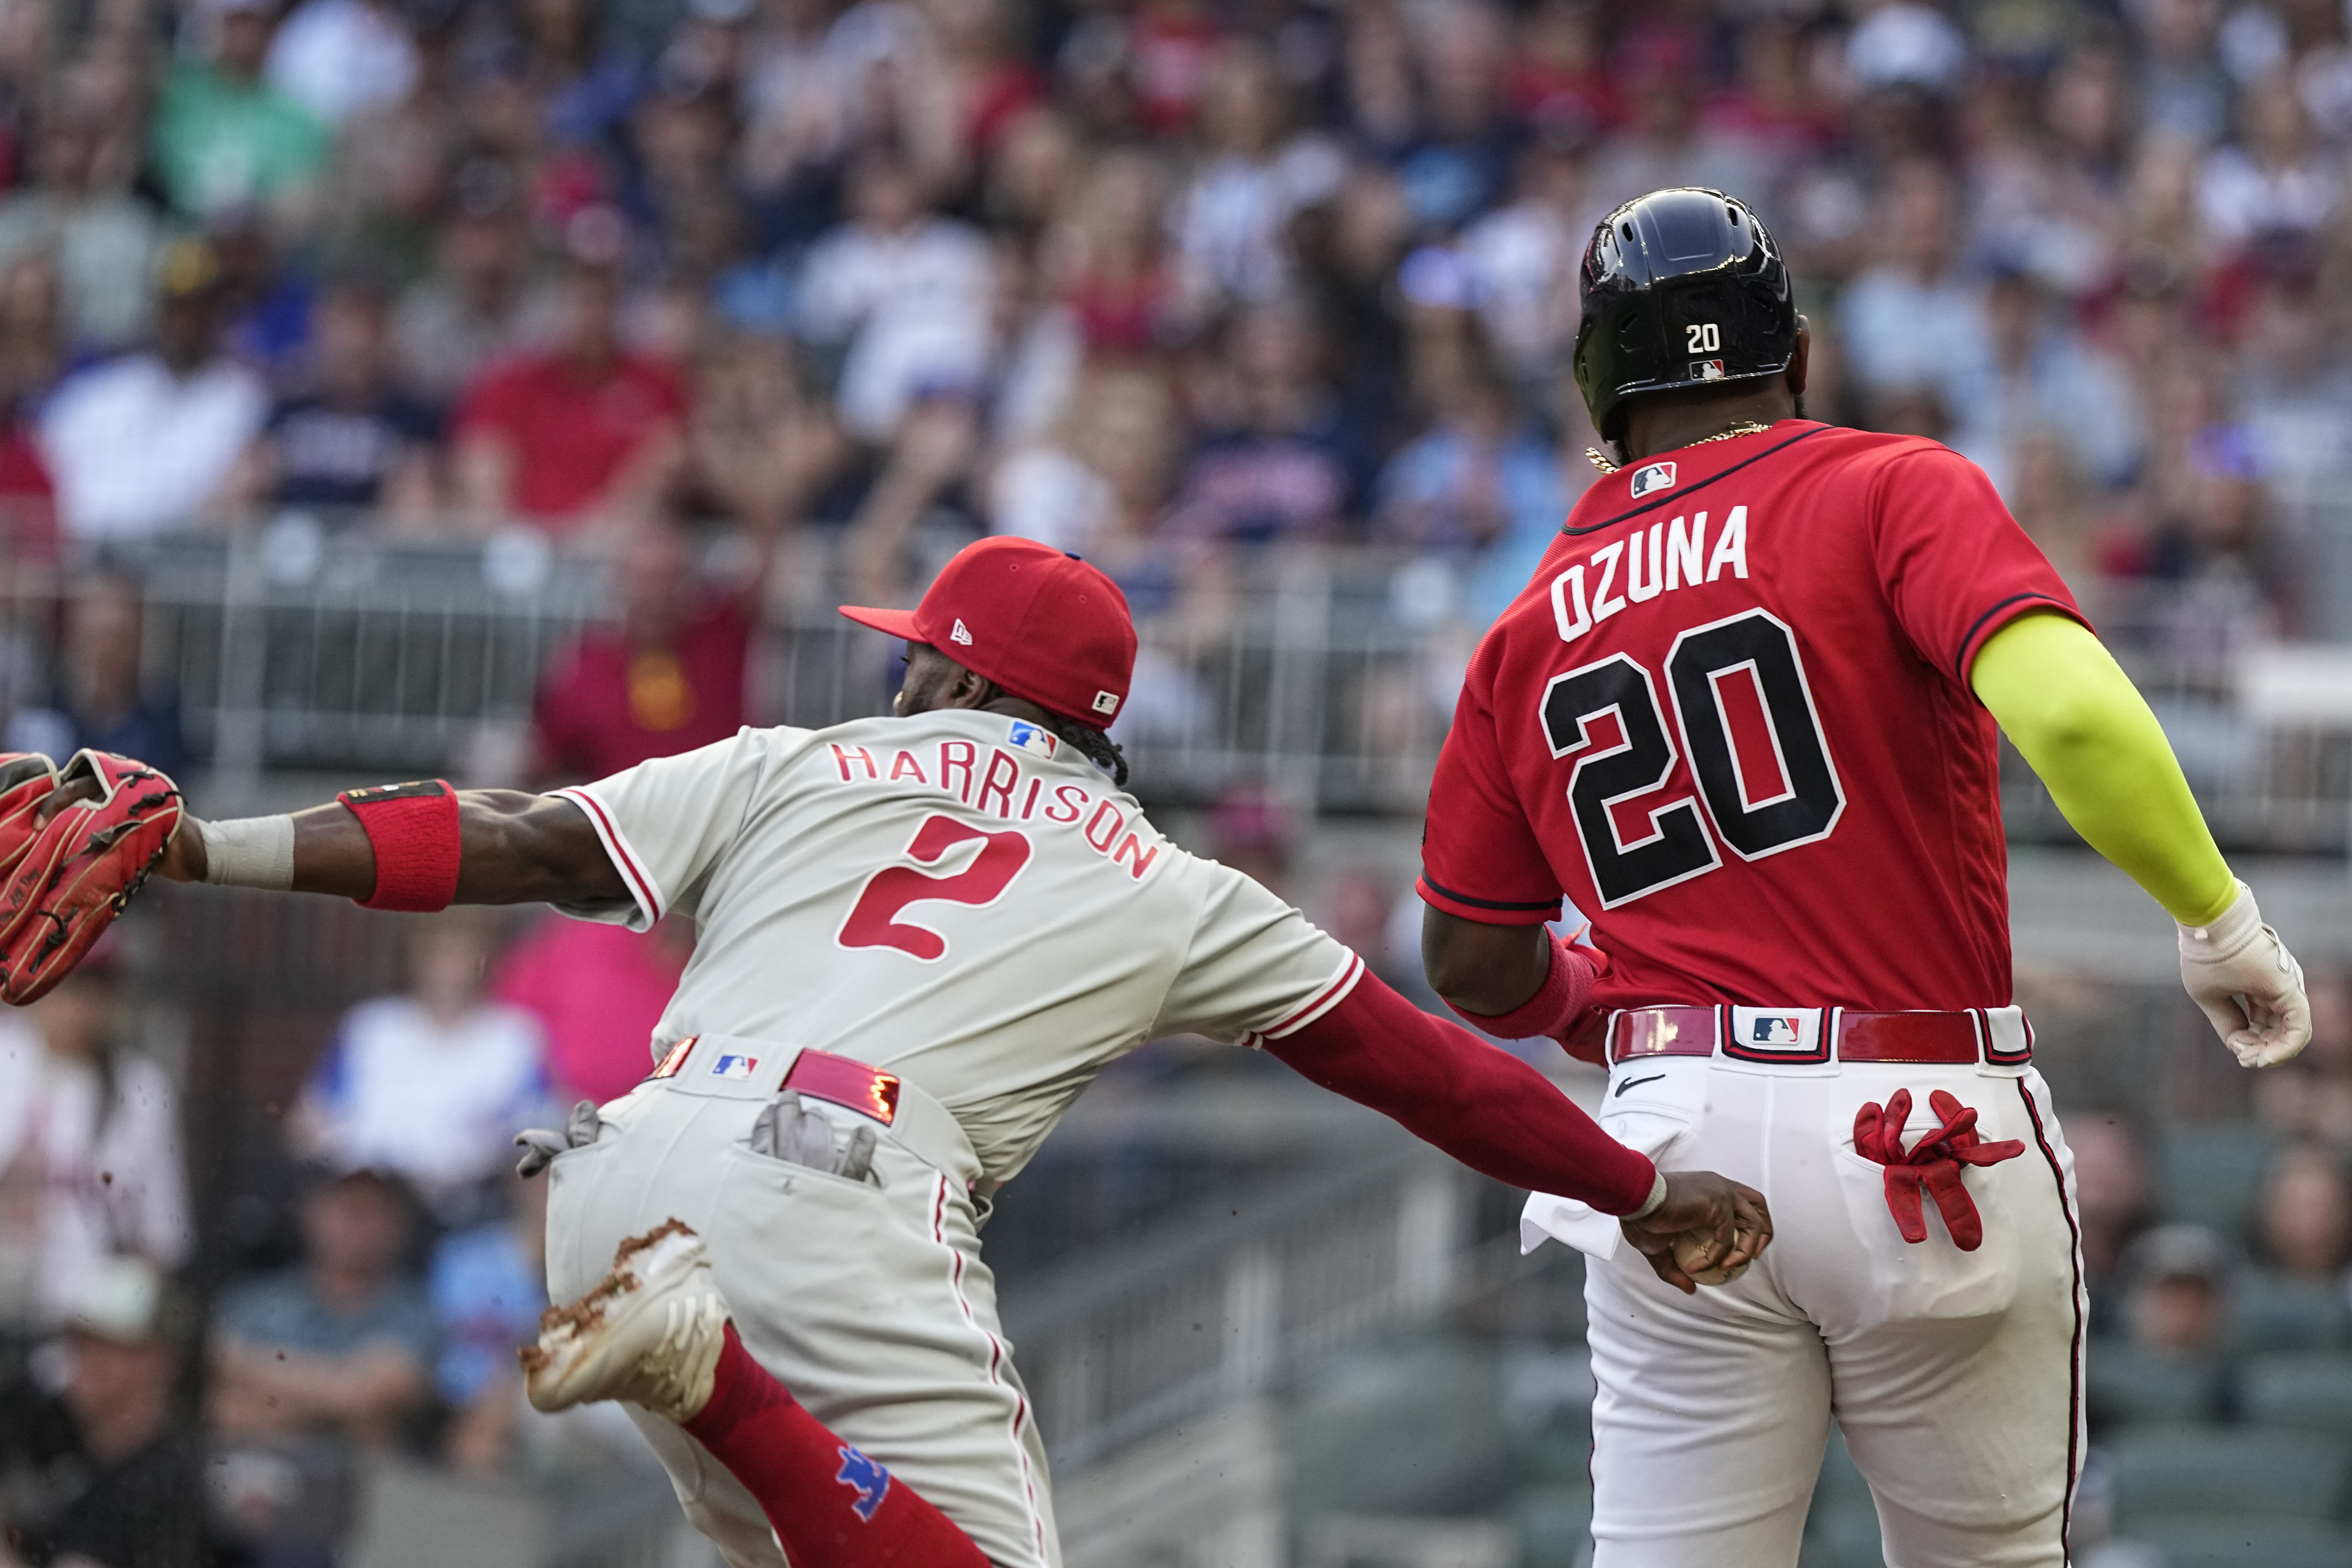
{"x":1733,"y":694}
{"x":1671,"y":554}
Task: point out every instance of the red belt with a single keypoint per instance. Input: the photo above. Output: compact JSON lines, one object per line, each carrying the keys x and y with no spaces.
{"x":1948,"y":1039}
{"x":846,"y":1082}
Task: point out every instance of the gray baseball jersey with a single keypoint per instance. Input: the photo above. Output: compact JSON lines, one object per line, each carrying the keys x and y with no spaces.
{"x":960,"y":897}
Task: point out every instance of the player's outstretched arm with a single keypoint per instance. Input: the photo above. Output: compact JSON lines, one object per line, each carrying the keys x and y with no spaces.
{"x":2084,"y":728}
{"x":1500,"y":1117}
{"x":509,"y":848}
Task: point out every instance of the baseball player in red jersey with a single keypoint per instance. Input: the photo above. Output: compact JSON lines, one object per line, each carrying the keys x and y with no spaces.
{"x":1744,"y":718}
{"x":920,"y":937}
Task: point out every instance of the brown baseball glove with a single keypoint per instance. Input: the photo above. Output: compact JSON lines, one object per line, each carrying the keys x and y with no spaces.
{"x":66,"y":878}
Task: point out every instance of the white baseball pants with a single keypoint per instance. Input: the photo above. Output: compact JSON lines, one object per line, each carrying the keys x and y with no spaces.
{"x":1957,"y":1376}
{"x":866,"y":1301}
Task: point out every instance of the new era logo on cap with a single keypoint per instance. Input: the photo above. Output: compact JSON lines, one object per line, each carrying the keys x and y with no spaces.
{"x":1043,"y":625}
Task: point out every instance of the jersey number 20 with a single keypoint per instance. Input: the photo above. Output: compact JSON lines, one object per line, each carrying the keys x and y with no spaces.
{"x":874,"y":922}
{"x":1752,"y":816}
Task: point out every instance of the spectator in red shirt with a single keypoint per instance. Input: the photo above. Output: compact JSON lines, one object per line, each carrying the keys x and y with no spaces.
{"x":598,"y":990}
{"x":579,"y":439}
{"x":28,"y":500}
{"x":668,"y":678}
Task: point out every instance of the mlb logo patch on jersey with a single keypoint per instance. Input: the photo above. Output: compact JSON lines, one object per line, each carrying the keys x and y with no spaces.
{"x":1033,"y":738}
{"x":734,"y":1066}
{"x":1778,"y":1034}
{"x":1652,"y":477}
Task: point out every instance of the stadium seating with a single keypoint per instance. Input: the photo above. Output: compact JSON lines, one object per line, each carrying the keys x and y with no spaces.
{"x":2310,"y":1392}
{"x":2212,"y":1174}
{"x":2247,"y":1544}
{"x":2131,"y":1386}
{"x":2225,"y":1474}
{"x":2272,"y":1311}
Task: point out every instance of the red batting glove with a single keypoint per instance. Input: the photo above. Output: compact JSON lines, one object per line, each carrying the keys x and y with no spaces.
{"x":1933,"y":1165}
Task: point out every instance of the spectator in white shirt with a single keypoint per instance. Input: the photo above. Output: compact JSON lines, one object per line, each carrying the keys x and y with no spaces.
{"x":90,"y":1152}
{"x":104,"y":240}
{"x":2276,"y":177}
{"x":431,"y":1086}
{"x":905,"y":290}
{"x":1231,"y":222}
{"x":339,"y":58}
{"x":137,"y":446}
{"x":1915,"y":323}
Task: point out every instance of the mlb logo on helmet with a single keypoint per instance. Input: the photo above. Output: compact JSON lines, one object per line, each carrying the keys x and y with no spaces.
{"x":734,"y":1066}
{"x":1774,"y":1031}
{"x":1033,"y":738}
{"x":1652,"y":477}
{"x":1705,"y":370}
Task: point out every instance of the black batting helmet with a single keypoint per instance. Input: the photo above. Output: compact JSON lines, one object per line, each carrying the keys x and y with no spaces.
{"x":1681,"y":287}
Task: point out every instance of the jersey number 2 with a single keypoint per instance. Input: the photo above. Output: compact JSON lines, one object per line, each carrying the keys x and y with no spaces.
{"x":1803,"y":807}
{"x":874,"y":922}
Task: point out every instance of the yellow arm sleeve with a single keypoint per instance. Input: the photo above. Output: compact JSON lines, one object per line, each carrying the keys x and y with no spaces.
{"x":2079,"y":723}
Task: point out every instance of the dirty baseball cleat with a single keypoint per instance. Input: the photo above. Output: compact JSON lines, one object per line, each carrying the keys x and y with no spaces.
{"x":650,"y":1332}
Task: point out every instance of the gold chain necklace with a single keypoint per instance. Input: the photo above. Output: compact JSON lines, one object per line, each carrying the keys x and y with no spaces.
{"x":1745,"y":427}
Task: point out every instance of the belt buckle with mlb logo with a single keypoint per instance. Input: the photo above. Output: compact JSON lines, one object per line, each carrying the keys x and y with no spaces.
{"x":1777,"y":1035}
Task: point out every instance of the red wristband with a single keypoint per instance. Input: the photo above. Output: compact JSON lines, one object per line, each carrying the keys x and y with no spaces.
{"x":413,"y":828}
{"x":1552,"y":1010}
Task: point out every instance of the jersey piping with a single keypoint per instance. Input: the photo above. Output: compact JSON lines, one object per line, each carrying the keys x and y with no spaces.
{"x":1672,"y":497}
{"x":1330,"y":996}
{"x":1443,"y":892}
{"x":1982,"y":625}
{"x":624,"y":856}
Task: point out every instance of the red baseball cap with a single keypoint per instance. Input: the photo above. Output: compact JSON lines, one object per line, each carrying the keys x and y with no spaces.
{"x":1039,"y":622}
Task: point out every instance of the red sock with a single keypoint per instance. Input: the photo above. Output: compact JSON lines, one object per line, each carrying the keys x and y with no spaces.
{"x":831,"y":1505}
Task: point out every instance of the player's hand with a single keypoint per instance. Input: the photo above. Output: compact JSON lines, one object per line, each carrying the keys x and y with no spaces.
{"x":2247,"y":984}
{"x":1731,"y":1224}
{"x":184,"y":858}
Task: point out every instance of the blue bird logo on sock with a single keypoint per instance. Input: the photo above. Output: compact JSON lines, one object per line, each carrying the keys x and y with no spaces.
{"x":869,"y":1481}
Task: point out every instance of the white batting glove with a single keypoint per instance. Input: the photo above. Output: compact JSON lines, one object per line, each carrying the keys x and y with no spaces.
{"x":2248,"y":984}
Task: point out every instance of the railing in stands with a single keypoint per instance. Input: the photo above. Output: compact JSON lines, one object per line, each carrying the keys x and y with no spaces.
{"x":1327,"y":674}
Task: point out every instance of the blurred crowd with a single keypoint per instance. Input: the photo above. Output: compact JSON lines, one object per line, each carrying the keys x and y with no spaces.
{"x":1157,"y":280}
{"x":688,"y":287}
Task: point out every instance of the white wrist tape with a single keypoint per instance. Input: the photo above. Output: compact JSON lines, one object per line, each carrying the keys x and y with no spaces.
{"x":2227,"y":934}
{"x":1657,"y":1199}
{"x":251,"y":852}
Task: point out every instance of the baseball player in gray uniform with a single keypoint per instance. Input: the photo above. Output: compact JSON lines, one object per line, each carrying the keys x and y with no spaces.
{"x":921,"y":936}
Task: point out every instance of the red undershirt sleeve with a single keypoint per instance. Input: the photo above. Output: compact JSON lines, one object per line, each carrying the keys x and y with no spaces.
{"x":1480,"y":1104}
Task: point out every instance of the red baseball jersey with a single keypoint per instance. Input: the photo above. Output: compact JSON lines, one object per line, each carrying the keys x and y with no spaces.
{"x":1729,"y":720}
